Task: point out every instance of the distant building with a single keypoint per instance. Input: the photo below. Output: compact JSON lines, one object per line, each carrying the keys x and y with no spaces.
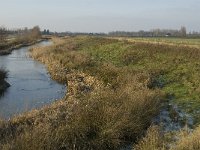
{"x":168,"y":34}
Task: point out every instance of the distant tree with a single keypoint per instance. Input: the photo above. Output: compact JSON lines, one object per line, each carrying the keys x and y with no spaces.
{"x":183,"y":31}
{"x":25,"y":30}
{"x":47,"y":32}
{"x":3,"y":34}
{"x":141,"y":33}
{"x":35,"y":32}
{"x":156,"y":32}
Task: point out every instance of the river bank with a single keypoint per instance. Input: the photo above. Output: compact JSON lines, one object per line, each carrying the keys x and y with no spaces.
{"x":98,"y":108}
{"x":7,"y":49}
{"x":113,"y":94}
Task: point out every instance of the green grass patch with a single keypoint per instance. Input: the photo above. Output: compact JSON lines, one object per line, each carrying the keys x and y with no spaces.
{"x":177,"y":58}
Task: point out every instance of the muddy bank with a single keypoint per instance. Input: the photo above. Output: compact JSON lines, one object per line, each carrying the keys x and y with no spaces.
{"x":10,"y":48}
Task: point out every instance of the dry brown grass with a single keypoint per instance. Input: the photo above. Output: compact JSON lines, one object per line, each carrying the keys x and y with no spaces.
{"x":188,"y":140}
{"x":105,"y":107}
{"x":153,"y":140}
{"x":108,"y":103}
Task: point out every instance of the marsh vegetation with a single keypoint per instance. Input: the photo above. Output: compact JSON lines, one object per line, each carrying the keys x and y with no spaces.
{"x":17,"y":39}
{"x":116,"y":87}
{"x":3,"y":83}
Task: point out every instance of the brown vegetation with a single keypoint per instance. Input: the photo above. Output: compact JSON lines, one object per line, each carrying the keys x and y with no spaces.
{"x":105,"y":107}
{"x":111,"y":99}
{"x":27,"y":37}
{"x":153,"y":140}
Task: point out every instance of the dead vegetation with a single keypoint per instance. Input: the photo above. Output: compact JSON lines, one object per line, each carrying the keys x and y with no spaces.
{"x":108,"y":103}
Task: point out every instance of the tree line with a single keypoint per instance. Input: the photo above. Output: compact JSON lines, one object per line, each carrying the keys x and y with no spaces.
{"x":153,"y":33}
{"x":34,"y":33}
{"x":182,"y":32}
{"x":24,"y":34}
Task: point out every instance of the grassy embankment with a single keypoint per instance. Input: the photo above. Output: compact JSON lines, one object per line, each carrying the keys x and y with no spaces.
{"x":18,"y":41}
{"x":114,"y":90}
{"x":179,"y":61}
{"x":106,"y":105}
{"x":7,"y":46}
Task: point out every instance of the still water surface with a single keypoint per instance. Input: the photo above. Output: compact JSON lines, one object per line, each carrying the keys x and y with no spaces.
{"x":31,"y":85}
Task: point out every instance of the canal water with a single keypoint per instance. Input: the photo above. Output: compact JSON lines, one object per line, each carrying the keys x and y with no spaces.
{"x":31,"y":85}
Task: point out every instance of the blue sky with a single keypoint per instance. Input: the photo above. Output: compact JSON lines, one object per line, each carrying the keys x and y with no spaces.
{"x":101,"y":15}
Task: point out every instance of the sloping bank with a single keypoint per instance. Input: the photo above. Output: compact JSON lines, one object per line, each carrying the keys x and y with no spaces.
{"x":111,"y":97}
{"x":107,"y":106}
{"x":9,"y":47}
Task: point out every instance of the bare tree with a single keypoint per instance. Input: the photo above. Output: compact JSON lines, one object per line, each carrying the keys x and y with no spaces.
{"x":183,"y":31}
{"x":35,"y":32}
{"x":3,"y":34}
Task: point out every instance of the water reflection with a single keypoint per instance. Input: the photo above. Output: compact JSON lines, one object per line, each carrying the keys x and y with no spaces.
{"x":31,"y":85}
